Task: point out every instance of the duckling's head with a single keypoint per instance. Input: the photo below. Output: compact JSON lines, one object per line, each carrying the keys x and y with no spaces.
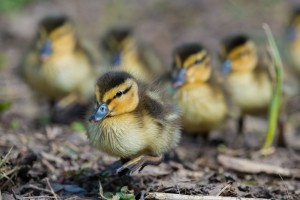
{"x":293,"y":31}
{"x":117,"y":41}
{"x":116,"y":94}
{"x":56,"y":36}
{"x":238,"y":54}
{"x":191,"y":64}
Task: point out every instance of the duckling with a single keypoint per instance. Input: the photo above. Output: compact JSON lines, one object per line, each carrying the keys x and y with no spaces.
{"x":248,"y":80}
{"x":294,"y":39}
{"x":199,"y":95}
{"x":57,"y":66}
{"x":133,"y":121}
{"x":124,"y":52}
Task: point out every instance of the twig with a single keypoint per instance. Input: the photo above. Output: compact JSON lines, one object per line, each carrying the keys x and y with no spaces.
{"x":51,"y":157}
{"x":223,"y":189}
{"x":248,"y":166}
{"x":38,"y":197}
{"x":38,"y":188}
{"x":5,"y":157}
{"x":48,"y":165}
{"x":101,"y":191}
{"x":51,"y":189}
{"x":170,"y":196}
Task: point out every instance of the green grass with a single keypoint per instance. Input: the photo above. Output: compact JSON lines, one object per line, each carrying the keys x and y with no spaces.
{"x":274,"y":108}
{"x":4,"y":106}
{"x":12,"y":5}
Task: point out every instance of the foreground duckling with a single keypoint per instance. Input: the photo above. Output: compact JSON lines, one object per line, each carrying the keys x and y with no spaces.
{"x":294,"y":40}
{"x":132,"y":121}
{"x":124,"y":52}
{"x":247,"y":76}
{"x":199,"y":95}
{"x":57,"y":66}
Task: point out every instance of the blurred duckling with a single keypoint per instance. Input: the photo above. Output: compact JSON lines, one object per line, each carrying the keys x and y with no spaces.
{"x":133,"y":121}
{"x":248,"y":80}
{"x":124,"y":52}
{"x":199,"y":95}
{"x":294,"y":39}
{"x":57,"y":66}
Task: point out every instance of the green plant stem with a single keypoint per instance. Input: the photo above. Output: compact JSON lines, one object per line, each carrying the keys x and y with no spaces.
{"x":274,"y":108}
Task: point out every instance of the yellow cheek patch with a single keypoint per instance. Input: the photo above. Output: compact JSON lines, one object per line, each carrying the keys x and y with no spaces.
{"x":127,"y":43}
{"x":121,"y":105}
{"x":126,"y":103}
{"x":60,"y":31}
{"x":247,"y":47}
{"x":112,"y":92}
{"x":200,"y":73}
{"x":193,"y":58}
{"x":63,"y":39}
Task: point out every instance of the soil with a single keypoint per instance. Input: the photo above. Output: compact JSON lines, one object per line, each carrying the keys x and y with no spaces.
{"x":40,"y":160}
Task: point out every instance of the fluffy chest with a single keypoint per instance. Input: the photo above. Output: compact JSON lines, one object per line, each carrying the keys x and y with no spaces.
{"x":250,"y":91}
{"x":202,"y":106}
{"x":295,"y":53}
{"x":123,"y":136}
{"x":66,"y":72}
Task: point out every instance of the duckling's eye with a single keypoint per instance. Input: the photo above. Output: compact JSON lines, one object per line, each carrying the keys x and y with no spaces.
{"x":197,"y":62}
{"x":119,"y":94}
{"x":243,"y":53}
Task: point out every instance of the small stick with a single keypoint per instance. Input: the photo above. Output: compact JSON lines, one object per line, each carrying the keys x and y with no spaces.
{"x":38,"y":197}
{"x":30,"y":186}
{"x":2,"y":161}
{"x":101,"y":191}
{"x":170,"y":196}
{"x":223,"y":189}
{"x":248,"y":166}
{"x":51,"y":189}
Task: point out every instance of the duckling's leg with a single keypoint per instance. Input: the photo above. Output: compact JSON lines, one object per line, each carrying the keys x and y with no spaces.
{"x":240,"y":125}
{"x":139,"y":163}
{"x":282,"y":131}
{"x":112,"y":169}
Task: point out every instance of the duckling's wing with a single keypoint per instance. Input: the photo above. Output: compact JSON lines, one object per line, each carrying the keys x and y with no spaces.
{"x":265,"y":64}
{"x":219,"y":85}
{"x":158,"y":102}
{"x":25,"y":60}
{"x":151,"y":60}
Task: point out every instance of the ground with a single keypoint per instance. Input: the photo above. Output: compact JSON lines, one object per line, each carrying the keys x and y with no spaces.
{"x":42,"y":160}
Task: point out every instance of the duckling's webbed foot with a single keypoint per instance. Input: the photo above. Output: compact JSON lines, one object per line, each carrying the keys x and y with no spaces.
{"x":138,"y":164}
{"x":112,"y":169}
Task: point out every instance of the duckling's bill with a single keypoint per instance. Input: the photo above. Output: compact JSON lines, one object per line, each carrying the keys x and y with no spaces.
{"x":100,"y":113}
{"x":180,"y":78}
{"x":226,"y":67}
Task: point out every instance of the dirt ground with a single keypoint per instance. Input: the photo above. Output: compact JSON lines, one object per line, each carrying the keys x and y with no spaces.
{"x":51,"y":161}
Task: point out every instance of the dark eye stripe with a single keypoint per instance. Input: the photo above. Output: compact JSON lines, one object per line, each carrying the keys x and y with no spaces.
{"x":198,"y":61}
{"x":124,"y":92}
{"x":127,"y":89}
{"x":243,"y":53}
